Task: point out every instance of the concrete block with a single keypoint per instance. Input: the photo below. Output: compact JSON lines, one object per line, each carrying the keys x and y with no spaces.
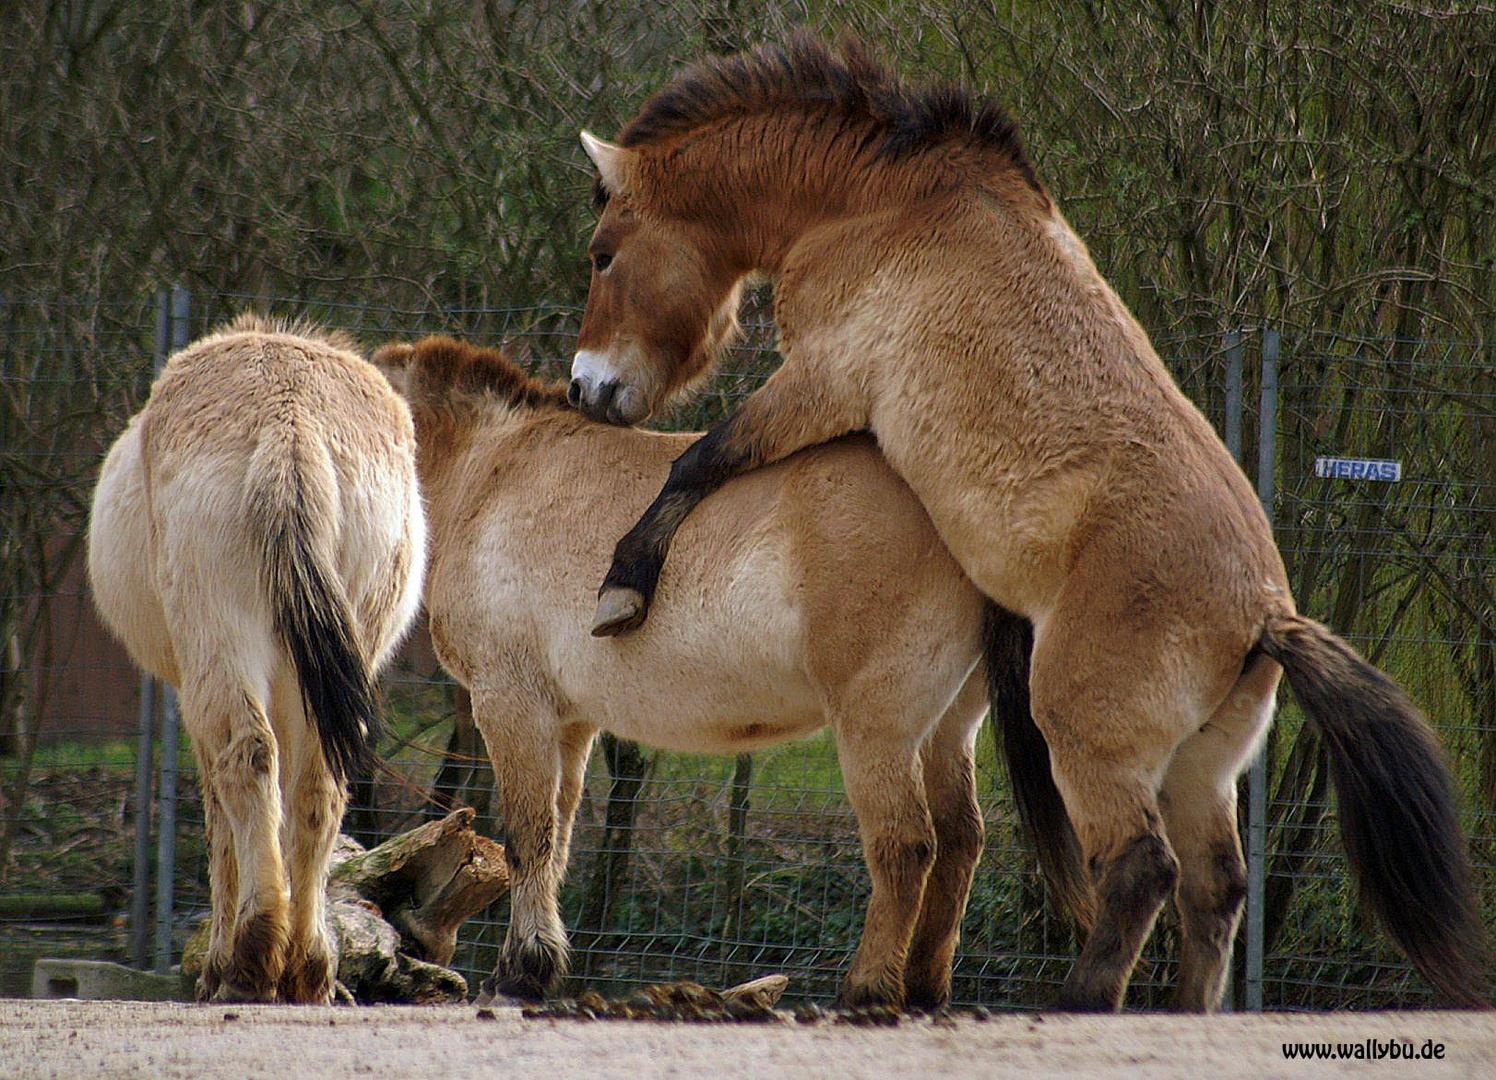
{"x":100,"y":980}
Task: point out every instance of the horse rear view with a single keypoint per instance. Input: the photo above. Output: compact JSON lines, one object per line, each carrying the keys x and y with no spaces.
{"x":257,"y":540}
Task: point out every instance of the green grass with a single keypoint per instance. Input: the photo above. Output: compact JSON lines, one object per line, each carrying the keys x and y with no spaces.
{"x":115,"y":754}
{"x":810,"y":764}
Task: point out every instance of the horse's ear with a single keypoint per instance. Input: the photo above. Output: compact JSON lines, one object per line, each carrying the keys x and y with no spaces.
{"x":393,"y":362}
{"x":613,"y":162}
{"x":395,"y":354}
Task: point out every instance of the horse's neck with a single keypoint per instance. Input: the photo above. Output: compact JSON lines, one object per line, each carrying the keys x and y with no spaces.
{"x":451,"y":432}
{"x":439,"y":444}
{"x":828,"y":271}
{"x":773,"y":231}
{"x":458,"y":453}
{"x":764,"y":203}
{"x":768,"y":203}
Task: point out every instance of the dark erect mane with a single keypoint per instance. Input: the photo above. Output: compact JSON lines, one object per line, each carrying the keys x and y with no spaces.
{"x":804,"y":72}
{"x":443,"y":367}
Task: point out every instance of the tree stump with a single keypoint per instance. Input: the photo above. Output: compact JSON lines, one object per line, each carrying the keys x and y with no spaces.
{"x":394,"y":910}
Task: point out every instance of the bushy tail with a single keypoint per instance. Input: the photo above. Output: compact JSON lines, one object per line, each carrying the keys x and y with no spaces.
{"x":1007,"y":648}
{"x":311,"y":612}
{"x":1396,"y":805}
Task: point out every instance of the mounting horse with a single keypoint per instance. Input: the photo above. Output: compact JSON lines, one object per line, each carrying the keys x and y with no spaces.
{"x":928,"y":290}
{"x":818,"y":593}
{"x":257,"y":540}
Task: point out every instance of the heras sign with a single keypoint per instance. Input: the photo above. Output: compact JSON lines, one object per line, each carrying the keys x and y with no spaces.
{"x":1339,"y":468}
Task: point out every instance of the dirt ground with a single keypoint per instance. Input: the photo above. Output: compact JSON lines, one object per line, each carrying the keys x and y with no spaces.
{"x":117,"y":1039}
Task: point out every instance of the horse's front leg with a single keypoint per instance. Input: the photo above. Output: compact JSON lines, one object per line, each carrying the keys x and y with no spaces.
{"x":880,"y":762}
{"x":794,"y":409}
{"x":524,"y":743}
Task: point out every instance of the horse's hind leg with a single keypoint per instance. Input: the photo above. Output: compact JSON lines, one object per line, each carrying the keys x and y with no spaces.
{"x":524,"y":743}
{"x":881,"y":769}
{"x":223,"y":882}
{"x":235,"y":741}
{"x":1112,"y":723}
{"x":950,"y":788}
{"x":576,"y":746}
{"x":314,"y":805}
{"x":1199,"y":808}
{"x":1133,"y":870}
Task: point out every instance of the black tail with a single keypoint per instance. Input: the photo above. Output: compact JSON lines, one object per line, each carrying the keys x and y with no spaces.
{"x":316,"y":627}
{"x":1007,"y":647}
{"x":1396,"y":806}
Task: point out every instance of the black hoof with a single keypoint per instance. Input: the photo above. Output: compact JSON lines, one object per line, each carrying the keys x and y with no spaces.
{"x":871,"y":996}
{"x":529,"y":972}
{"x":231,"y":994}
{"x":511,"y":988}
{"x":928,"y":1000}
{"x":1072,"y":1001}
{"x":619,"y":610}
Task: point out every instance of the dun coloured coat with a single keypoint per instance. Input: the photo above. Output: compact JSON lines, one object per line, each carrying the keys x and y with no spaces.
{"x":928,"y":290}
{"x":257,"y":540}
{"x":817,"y":594}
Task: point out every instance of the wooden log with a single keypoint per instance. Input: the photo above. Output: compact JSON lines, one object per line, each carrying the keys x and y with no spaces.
{"x":764,"y":992}
{"x":394,"y":910}
{"x":373,"y":968}
{"x":42,"y":907}
{"x":426,"y":882}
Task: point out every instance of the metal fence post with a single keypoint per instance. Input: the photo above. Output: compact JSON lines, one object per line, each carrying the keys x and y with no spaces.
{"x":140,"y":894}
{"x":166,"y":847}
{"x":1233,"y":393}
{"x":1233,"y":445}
{"x":1257,"y":778}
{"x":140,"y":899}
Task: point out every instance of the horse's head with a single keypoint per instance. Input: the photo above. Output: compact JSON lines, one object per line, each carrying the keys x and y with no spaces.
{"x":663,"y":299}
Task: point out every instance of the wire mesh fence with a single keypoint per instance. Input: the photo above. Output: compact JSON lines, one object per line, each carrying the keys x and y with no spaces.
{"x":719,"y":869}
{"x":1406,"y":571}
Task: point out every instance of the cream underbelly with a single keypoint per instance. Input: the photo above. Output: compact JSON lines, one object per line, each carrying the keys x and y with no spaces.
{"x":678,"y":717}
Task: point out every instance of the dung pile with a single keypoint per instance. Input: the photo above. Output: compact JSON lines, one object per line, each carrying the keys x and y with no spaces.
{"x":748,"y":1003}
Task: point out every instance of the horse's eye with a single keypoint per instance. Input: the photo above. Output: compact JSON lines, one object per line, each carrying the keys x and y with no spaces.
{"x":601,"y":262}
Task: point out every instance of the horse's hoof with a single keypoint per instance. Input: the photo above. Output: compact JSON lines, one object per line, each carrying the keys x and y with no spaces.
{"x":1075,"y":998}
{"x":497,"y":992}
{"x":230,"y":994}
{"x":926,"y":999}
{"x":871,"y":995}
{"x":619,"y":610}
{"x":309,"y":978}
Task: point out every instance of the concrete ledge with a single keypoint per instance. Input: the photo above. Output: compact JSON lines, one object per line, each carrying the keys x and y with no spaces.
{"x":100,"y":980}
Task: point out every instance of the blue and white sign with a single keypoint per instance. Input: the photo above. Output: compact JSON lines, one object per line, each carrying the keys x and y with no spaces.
{"x":1352,"y":468}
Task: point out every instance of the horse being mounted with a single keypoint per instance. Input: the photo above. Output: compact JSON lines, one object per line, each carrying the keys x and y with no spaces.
{"x":928,"y":290}
{"x":755,"y":641}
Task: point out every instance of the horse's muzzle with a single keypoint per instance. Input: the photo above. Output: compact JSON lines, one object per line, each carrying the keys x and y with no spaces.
{"x":611,"y":402}
{"x":598,"y":390}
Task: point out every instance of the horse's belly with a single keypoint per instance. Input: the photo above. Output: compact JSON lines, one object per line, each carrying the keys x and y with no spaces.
{"x":720,"y":665}
{"x":684,"y":705}
{"x":714,"y":733}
